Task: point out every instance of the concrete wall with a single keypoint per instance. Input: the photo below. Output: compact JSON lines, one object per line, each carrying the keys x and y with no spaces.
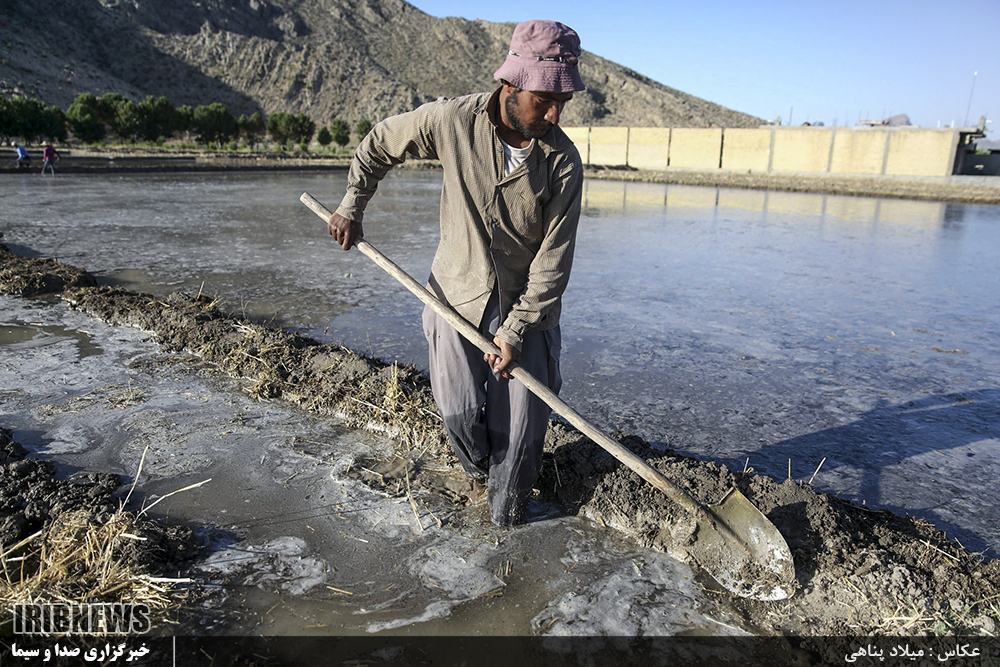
{"x":648,"y":147}
{"x":609,"y":145}
{"x":746,"y":149}
{"x":810,"y":150}
{"x":695,"y":148}
{"x":581,"y":137}
{"x":920,"y":153}
{"x":859,"y":151}
{"x":802,"y":149}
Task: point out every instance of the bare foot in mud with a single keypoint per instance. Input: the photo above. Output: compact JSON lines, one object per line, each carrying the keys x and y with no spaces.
{"x":478,"y":492}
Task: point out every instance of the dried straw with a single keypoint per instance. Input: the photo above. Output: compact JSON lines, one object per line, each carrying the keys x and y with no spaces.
{"x":79,"y":558}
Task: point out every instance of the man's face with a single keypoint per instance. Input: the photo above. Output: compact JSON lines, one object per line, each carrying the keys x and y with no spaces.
{"x":533,"y":113}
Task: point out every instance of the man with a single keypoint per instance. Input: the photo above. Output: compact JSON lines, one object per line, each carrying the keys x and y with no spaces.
{"x":510,"y":205}
{"x":23,"y":159}
{"x":49,"y":157}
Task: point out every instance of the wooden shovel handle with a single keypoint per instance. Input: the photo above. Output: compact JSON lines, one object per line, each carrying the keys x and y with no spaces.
{"x":472,"y":334}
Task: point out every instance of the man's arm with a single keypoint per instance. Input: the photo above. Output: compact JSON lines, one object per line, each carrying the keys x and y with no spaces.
{"x":387,"y":145}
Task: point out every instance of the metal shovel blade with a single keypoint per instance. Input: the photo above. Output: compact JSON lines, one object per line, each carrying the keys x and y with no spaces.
{"x":742,"y":550}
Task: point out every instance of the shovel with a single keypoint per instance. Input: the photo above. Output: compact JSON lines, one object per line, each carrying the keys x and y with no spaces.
{"x":734,"y":542}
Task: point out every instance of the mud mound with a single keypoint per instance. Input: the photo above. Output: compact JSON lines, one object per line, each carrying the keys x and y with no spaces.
{"x":34,"y":277}
{"x":34,"y":505}
{"x":325,"y":379}
{"x":31,"y":497}
{"x":859,"y":572}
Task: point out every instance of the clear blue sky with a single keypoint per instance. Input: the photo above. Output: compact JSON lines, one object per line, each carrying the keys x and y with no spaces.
{"x":830,"y":61}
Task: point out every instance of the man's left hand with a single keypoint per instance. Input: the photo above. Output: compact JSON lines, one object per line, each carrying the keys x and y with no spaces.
{"x":500,"y":363}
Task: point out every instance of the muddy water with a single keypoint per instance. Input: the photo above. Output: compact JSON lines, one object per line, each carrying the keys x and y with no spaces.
{"x":850,"y":341}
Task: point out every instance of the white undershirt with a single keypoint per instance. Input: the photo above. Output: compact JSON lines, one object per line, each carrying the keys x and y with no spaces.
{"x":513,"y":157}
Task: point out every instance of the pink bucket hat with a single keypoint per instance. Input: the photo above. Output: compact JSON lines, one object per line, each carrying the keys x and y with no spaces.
{"x":543,"y":56}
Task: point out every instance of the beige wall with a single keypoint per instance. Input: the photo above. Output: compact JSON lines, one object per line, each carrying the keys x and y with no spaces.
{"x":746,"y":149}
{"x":648,"y":147}
{"x":858,"y":151}
{"x":695,"y":148}
{"x":920,"y":153}
{"x":609,"y":145}
{"x":818,"y":150}
{"x":802,"y":149}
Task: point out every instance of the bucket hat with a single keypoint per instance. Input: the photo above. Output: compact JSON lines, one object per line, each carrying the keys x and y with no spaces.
{"x":543,"y":56}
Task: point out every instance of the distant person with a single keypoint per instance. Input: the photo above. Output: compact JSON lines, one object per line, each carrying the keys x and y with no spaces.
{"x":49,"y":157}
{"x":23,"y":159}
{"x":510,"y":205}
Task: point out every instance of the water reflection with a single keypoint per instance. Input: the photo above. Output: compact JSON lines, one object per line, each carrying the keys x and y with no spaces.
{"x":604,"y":198}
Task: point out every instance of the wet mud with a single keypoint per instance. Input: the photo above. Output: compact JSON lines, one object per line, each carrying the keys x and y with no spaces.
{"x":858,"y":572}
{"x":47,"y":524}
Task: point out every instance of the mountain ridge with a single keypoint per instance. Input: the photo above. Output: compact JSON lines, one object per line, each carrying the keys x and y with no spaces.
{"x":349,"y":59}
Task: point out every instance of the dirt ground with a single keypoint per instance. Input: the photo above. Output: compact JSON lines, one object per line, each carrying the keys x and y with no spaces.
{"x":859,"y":573}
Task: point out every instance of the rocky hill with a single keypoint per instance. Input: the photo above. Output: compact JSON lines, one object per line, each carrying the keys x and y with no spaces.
{"x":349,"y":59}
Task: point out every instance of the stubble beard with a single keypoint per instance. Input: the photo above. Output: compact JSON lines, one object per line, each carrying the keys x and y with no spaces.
{"x":534,"y":130}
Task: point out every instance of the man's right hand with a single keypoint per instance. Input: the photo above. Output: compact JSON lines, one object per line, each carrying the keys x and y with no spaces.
{"x":344,"y":231}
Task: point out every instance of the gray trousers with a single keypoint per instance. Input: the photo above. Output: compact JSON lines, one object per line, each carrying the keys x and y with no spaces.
{"x":496,"y":426}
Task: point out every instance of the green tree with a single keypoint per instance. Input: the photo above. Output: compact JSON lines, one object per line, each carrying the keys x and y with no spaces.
{"x":24,"y":115}
{"x":156,"y":117}
{"x":214,"y":124}
{"x":278,"y":126}
{"x":341,"y":132}
{"x":183,"y":119}
{"x":252,"y":129}
{"x":119,"y":113}
{"x":84,"y":119}
{"x":18,"y":123}
{"x":6,"y":120}
{"x":324,"y":137}
{"x":31,"y":120}
{"x":303,"y":128}
{"x":107,"y":105}
{"x":53,"y":124}
{"x":362,"y":129}
{"x":283,"y":126}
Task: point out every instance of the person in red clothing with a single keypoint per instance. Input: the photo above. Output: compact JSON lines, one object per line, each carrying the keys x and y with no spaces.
{"x":49,"y":157}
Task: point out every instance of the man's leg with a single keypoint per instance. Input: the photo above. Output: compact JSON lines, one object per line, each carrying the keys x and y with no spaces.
{"x":496,"y":426}
{"x":517,"y":421}
{"x":458,"y":381}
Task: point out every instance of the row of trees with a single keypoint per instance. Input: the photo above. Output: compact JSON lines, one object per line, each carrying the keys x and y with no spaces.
{"x":92,"y":119}
{"x":30,"y":120}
